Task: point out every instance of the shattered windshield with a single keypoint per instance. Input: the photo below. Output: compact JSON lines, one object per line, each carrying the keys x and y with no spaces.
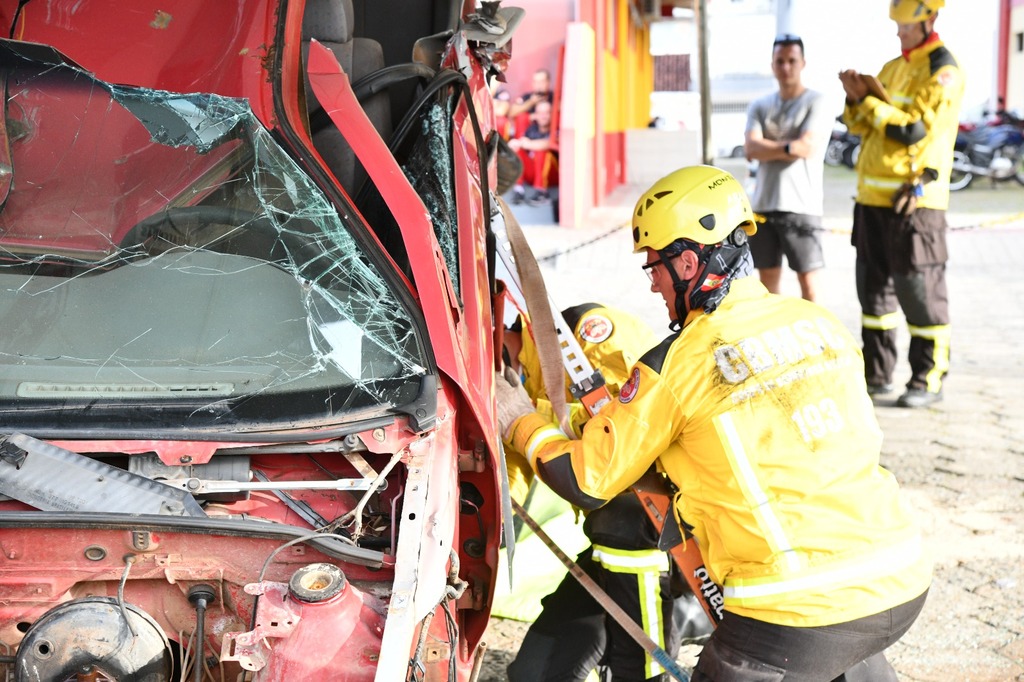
{"x":163,"y":263}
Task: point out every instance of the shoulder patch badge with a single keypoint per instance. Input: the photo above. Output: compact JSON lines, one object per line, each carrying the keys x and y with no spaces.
{"x":630,"y":388}
{"x":595,"y":328}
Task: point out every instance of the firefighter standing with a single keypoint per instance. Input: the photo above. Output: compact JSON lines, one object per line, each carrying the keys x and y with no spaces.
{"x":899,"y":220}
{"x":757,"y":410}
{"x":573,"y":634}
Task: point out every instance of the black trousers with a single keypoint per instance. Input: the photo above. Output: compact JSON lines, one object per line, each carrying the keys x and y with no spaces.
{"x":901,"y":264}
{"x":573,"y":634}
{"x":747,"y":650}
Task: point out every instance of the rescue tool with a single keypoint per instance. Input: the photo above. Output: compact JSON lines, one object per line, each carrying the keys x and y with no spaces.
{"x":588,"y":386}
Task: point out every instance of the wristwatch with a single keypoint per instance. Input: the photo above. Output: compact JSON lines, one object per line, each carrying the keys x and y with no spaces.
{"x":786,"y":149}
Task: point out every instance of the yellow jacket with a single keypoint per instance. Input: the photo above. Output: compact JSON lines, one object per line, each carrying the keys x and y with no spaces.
{"x":913,"y":133}
{"x":759,"y":414}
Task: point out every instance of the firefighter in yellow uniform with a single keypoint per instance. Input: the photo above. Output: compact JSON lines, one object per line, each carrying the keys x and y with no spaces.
{"x":758,"y":412}
{"x":899,"y":223}
{"x":573,"y":635}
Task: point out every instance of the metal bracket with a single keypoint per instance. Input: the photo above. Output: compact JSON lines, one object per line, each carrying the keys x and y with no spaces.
{"x":198,"y":486}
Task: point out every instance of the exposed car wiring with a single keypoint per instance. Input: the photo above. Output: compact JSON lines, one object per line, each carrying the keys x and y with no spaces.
{"x":453,"y":635}
{"x":455,"y":588}
{"x":355,"y":516}
{"x":129,"y":561}
{"x":417,"y":670}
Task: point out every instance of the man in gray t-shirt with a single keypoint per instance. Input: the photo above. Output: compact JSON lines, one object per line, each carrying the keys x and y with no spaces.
{"x":787,"y":133}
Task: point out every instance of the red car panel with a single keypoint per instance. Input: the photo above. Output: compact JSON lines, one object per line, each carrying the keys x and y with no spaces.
{"x":246,"y":392}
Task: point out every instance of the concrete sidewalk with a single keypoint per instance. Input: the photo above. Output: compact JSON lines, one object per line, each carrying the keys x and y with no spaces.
{"x":961,"y":462}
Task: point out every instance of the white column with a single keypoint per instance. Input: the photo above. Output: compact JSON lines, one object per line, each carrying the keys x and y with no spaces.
{"x":788,"y":16}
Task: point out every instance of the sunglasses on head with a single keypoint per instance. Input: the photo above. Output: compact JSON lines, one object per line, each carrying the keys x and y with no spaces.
{"x":788,"y":39}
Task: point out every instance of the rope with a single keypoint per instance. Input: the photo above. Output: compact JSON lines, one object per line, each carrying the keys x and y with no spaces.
{"x":576,"y":247}
{"x":983,"y":225}
{"x":992,"y":223}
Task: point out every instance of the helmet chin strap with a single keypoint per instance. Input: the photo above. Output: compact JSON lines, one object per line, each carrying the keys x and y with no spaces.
{"x":684,"y":287}
{"x":717,"y":266}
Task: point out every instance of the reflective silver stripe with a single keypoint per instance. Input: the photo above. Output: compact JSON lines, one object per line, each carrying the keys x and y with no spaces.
{"x":937,"y":333}
{"x":887,"y":561}
{"x":940,"y":334}
{"x":763,"y":509}
{"x":880,"y":323}
{"x":539,"y":437}
{"x":632,"y":561}
{"x":940,"y":356}
{"x":647,"y":565}
{"x":882,"y":183}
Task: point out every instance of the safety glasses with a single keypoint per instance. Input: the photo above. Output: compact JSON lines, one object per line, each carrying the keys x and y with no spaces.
{"x":648,"y":268}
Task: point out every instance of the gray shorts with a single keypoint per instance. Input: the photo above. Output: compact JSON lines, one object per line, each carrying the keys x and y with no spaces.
{"x":795,"y":235}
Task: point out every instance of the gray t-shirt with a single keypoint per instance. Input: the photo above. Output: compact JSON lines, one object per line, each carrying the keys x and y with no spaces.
{"x":792,"y":186}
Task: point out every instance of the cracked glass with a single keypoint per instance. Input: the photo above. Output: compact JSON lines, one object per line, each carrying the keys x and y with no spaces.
{"x":429,"y":170}
{"x":165,"y":264}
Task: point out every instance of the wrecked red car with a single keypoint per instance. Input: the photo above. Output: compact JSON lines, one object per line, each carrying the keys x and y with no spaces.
{"x":246,"y":290}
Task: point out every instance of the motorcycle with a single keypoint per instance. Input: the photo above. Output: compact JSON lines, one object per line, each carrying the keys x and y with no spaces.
{"x":994,"y":149}
{"x":843,"y":147}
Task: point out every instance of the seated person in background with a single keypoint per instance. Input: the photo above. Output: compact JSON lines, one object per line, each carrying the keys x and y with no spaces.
{"x":502,"y":103}
{"x":523,"y":109}
{"x":539,"y":156}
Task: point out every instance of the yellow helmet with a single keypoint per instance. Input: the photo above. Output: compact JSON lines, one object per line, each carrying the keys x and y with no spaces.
{"x":914,"y":11}
{"x":703,"y":204}
{"x":611,"y":339}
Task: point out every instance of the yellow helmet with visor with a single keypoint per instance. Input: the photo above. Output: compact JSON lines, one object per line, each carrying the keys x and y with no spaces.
{"x":914,"y":11}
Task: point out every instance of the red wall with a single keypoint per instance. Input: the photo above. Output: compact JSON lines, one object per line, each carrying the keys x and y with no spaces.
{"x":537,"y":42}
{"x":623,"y":67}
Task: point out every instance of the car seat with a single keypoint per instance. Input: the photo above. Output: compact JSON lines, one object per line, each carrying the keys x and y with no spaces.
{"x":330,"y":22}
